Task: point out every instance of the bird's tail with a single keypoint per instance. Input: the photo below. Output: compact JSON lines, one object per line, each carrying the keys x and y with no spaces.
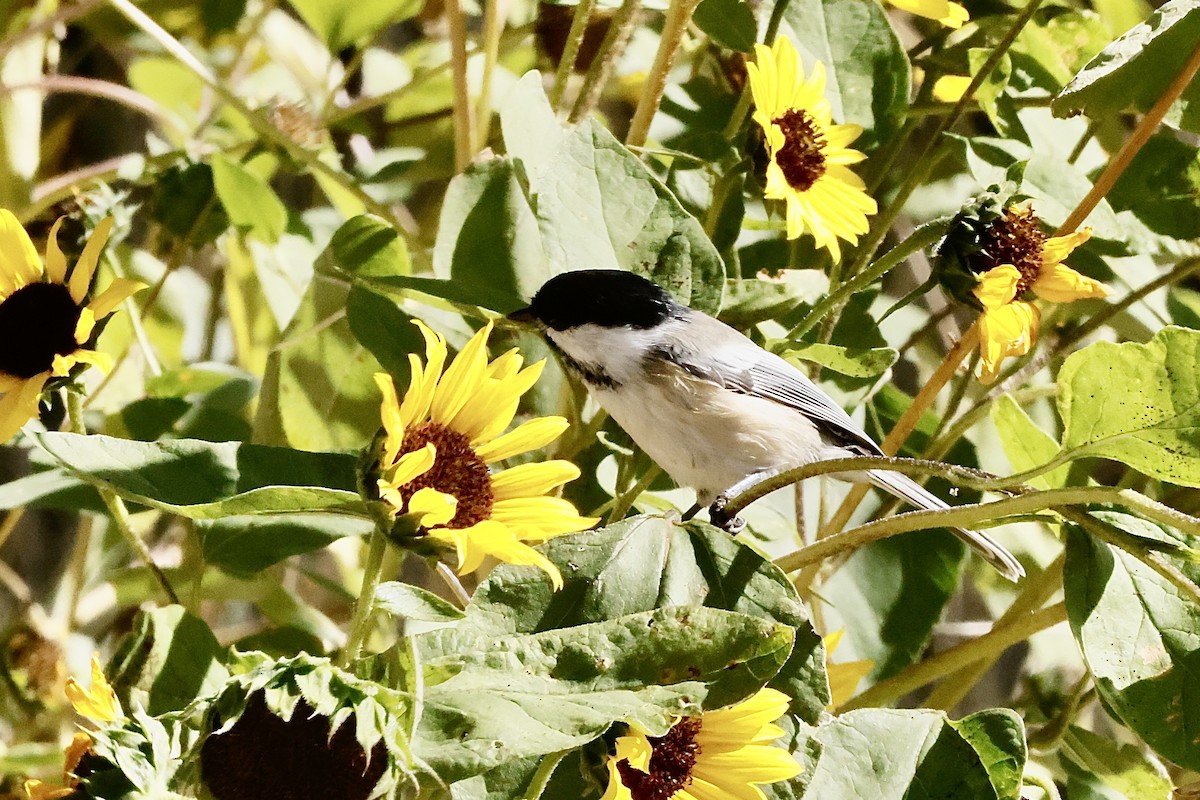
{"x":992,"y":551}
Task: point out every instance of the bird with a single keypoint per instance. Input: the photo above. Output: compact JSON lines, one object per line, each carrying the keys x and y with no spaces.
{"x":713,"y":409}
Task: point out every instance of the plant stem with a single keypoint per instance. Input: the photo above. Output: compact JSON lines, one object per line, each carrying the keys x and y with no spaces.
{"x":610,"y":50}
{"x":904,"y":426}
{"x":360,"y":625}
{"x":1034,"y":594}
{"x":994,"y":642}
{"x":625,"y":501}
{"x":493,"y":28}
{"x":116,"y":506}
{"x":261,"y":125}
{"x":457,"y":23}
{"x":10,"y":523}
{"x":566,"y":65}
{"x":679,"y":14}
{"x":1141,"y":134}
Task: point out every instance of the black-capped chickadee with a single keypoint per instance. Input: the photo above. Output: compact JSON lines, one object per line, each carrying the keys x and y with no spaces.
{"x":713,"y":409}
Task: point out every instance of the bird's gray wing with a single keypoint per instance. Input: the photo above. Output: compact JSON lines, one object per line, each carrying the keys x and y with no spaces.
{"x":737,"y":364}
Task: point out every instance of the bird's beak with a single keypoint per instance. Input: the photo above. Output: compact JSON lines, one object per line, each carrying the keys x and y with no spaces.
{"x":524,"y":315}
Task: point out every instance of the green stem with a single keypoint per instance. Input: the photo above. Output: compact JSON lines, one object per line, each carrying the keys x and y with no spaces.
{"x":493,"y":29}
{"x":679,"y":14}
{"x":1035,"y":592}
{"x":261,"y":125}
{"x":456,"y":21}
{"x":360,"y":625}
{"x":566,"y":64}
{"x":923,"y":237}
{"x":625,"y":501}
{"x":610,"y":50}
{"x":992,"y":643}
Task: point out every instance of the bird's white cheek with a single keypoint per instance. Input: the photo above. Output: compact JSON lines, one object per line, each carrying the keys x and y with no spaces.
{"x":616,"y":352}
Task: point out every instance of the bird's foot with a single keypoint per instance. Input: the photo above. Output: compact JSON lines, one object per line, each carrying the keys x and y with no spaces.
{"x":691,"y":512}
{"x":729,"y":524}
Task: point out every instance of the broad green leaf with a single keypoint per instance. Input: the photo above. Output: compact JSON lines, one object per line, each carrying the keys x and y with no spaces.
{"x":857,"y":363}
{"x":1026,"y":445}
{"x":317,"y":391}
{"x":997,"y":736}
{"x":890,"y":594}
{"x":597,"y":206}
{"x":1136,"y":69}
{"x":523,"y":694}
{"x":341,"y":22}
{"x":1140,"y":638}
{"x":488,"y":237}
{"x":413,"y":602}
{"x":209,"y":479}
{"x":169,"y":659}
{"x":367,"y":247}
{"x":1161,"y":187}
{"x":381,"y":326}
{"x":749,"y":301}
{"x":1124,"y":768}
{"x":244,"y":545}
{"x":50,"y":488}
{"x":1136,"y":403}
{"x":888,"y":754}
{"x":647,"y":562}
{"x":729,"y":22}
{"x":868,"y":70}
{"x":249,"y":200}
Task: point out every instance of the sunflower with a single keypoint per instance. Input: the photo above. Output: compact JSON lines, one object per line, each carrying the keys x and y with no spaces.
{"x":952,"y":15}
{"x":81,"y":744}
{"x":809,"y":166}
{"x":845,"y":676}
{"x":1018,"y":260}
{"x":44,"y":321}
{"x":98,"y":702}
{"x":441,"y":441}
{"x":719,"y":755}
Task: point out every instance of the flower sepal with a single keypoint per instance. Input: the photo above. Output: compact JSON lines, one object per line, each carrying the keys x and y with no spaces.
{"x":957,"y":256}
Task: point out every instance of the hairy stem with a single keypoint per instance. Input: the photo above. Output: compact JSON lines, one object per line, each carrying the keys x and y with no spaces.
{"x":360,"y":625}
{"x":457,"y":23}
{"x":610,"y":50}
{"x":679,"y":14}
{"x":566,"y":65}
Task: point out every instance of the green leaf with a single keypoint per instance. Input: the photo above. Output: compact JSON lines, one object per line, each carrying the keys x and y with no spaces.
{"x":729,"y":22}
{"x":868,"y":70}
{"x":413,"y":602}
{"x":209,"y":479}
{"x":488,"y":238}
{"x":1136,"y":403}
{"x":597,"y":206}
{"x":518,"y":695}
{"x":1124,"y":768}
{"x":749,"y":301}
{"x":1026,"y":445}
{"x":367,"y":247}
{"x":998,"y":737}
{"x":317,"y":391}
{"x":855,"y":362}
{"x":244,"y":545}
{"x":248,"y":200}
{"x":893,"y":754}
{"x":1161,"y":187}
{"x":382,"y":327}
{"x":1140,"y":638}
{"x":1135,"y":70}
{"x":169,"y":659}
{"x":340,"y":23}
{"x":647,"y":562}
{"x":51,"y":488}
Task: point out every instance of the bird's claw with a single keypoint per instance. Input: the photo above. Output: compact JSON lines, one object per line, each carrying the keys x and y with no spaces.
{"x":717,"y":516}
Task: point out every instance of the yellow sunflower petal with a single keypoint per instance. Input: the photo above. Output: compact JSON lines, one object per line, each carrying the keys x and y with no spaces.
{"x":744,"y":723}
{"x":84,"y":325}
{"x":998,"y":286}
{"x":85,"y":268}
{"x":116,"y":293}
{"x":411,"y":466}
{"x":636,"y":749}
{"x":532,"y":480}
{"x":81,"y":742}
{"x":1059,"y":247}
{"x":540,"y":518}
{"x":1058,"y":283}
{"x":506,"y":365}
{"x":615,"y":789}
{"x":19,"y":405}
{"x":9,"y":382}
{"x":532,"y":435}
{"x":461,"y":379}
{"x":63,"y":364}
{"x":952,"y":15}
{"x":1009,"y":330}
{"x":424,"y":379}
{"x":99,"y":701}
{"x":750,"y":765}
{"x":435,"y":508}
{"x":951,"y":88}
{"x":495,"y":405}
{"x":844,"y":679}
{"x":37,"y":790}
{"x":498,"y":541}
{"x":19,"y":262}
{"x":56,"y":262}
{"x":389,"y":412}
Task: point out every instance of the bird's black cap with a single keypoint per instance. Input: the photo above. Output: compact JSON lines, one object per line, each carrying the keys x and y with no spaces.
{"x":610,"y":298}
